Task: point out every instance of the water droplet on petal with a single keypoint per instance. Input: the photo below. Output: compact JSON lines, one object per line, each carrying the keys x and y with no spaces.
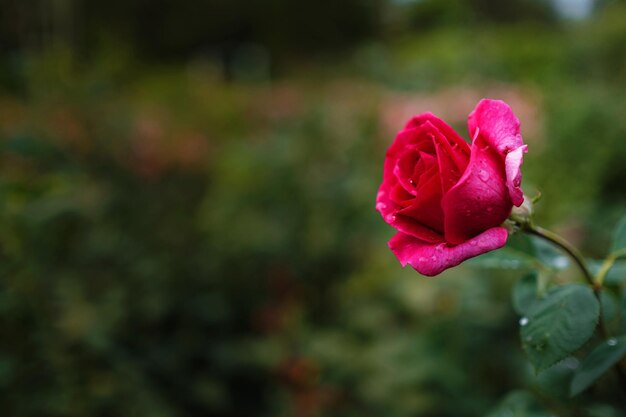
{"x":483,"y":175}
{"x":611,"y":342}
{"x":489,"y":209}
{"x":433,"y":258}
{"x":421,"y":259}
{"x":523,"y":321}
{"x":473,"y":242}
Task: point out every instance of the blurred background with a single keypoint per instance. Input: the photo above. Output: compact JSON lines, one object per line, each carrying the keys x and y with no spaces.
{"x":187,"y":223}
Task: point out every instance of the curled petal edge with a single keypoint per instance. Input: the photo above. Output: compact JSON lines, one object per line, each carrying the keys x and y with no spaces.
{"x":513,"y":168}
{"x":431,"y":259}
{"x":497,"y":123}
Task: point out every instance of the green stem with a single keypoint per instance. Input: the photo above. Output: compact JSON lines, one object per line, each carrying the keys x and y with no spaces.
{"x":567,"y":247}
{"x":608,"y":264}
{"x":595,"y":284}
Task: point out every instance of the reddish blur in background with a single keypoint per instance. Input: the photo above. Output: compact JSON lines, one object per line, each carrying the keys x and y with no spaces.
{"x":187,"y":223}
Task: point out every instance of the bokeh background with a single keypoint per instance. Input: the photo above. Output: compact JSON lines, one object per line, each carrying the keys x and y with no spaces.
{"x":187,"y":223}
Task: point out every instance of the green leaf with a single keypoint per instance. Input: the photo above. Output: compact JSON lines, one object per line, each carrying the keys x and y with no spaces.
{"x":559,"y":324}
{"x":617,"y":274}
{"x":603,"y":410}
{"x":525,"y":293}
{"x":619,"y":236}
{"x":519,"y":404}
{"x":611,"y":311}
{"x":597,"y":363}
{"x":623,"y":316}
{"x":556,"y":380}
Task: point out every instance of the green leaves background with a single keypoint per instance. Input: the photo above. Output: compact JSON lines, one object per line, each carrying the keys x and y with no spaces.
{"x":559,"y":324}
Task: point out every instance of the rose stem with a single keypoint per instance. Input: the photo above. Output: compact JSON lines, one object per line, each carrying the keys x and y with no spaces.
{"x":567,"y":247}
{"x":597,"y":286}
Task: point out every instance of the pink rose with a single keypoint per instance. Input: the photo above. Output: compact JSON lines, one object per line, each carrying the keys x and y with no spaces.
{"x":446,"y":199}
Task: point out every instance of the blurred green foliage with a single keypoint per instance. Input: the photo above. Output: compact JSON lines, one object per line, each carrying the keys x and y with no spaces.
{"x":198,"y":237}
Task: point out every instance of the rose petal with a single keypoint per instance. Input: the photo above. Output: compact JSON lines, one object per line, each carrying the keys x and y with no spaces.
{"x":404,"y":169}
{"x":400,"y":196}
{"x":418,"y":136}
{"x":427,"y":170}
{"x":411,"y":227}
{"x":412,"y":166}
{"x":388,"y":210}
{"x":452,"y":163}
{"x":433,"y":258}
{"x":494,"y":121}
{"x":427,"y":205}
{"x":513,"y":164}
{"x":441,"y":126}
{"x":497,"y":123}
{"x":480,"y":200}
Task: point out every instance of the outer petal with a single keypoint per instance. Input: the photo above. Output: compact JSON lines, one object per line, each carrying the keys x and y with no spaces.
{"x":480,"y":200}
{"x":495,"y":122}
{"x":433,"y":258}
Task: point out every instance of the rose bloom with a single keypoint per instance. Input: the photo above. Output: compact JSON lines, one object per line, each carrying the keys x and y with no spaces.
{"x":448,"y":199}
